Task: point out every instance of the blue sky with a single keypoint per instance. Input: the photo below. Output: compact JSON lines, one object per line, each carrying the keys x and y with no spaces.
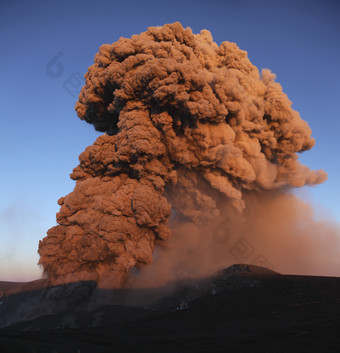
{"x":41,"y":136}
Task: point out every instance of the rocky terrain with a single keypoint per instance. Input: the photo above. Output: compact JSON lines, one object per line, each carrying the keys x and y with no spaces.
{"x":240,"y":309}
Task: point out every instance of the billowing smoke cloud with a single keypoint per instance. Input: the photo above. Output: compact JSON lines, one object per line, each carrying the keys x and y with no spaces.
{"x":191,"y":130}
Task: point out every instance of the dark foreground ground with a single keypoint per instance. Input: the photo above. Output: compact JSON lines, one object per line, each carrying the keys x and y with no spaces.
{"x":236,"y":311}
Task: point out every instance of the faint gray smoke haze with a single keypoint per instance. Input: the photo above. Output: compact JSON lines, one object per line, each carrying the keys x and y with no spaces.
{"x":16,"y":221}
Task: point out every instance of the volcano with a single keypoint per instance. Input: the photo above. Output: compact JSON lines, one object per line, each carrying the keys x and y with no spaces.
{"x":241,"y":308}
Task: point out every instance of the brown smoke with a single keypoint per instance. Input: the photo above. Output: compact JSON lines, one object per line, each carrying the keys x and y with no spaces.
{"x":278,"y":231}
{"x":192,"y":130}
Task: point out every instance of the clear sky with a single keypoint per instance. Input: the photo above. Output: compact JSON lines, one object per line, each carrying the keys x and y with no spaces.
{"x":47,"y":46}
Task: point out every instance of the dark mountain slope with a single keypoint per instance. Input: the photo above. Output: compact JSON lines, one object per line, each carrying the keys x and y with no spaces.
{"x":238,"y":310}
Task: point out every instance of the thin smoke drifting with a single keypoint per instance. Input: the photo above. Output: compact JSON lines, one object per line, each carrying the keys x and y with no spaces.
{"x":191,"y":128}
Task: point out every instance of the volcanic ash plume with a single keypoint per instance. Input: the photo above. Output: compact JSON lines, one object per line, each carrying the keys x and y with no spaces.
{"x":189,"y":126}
